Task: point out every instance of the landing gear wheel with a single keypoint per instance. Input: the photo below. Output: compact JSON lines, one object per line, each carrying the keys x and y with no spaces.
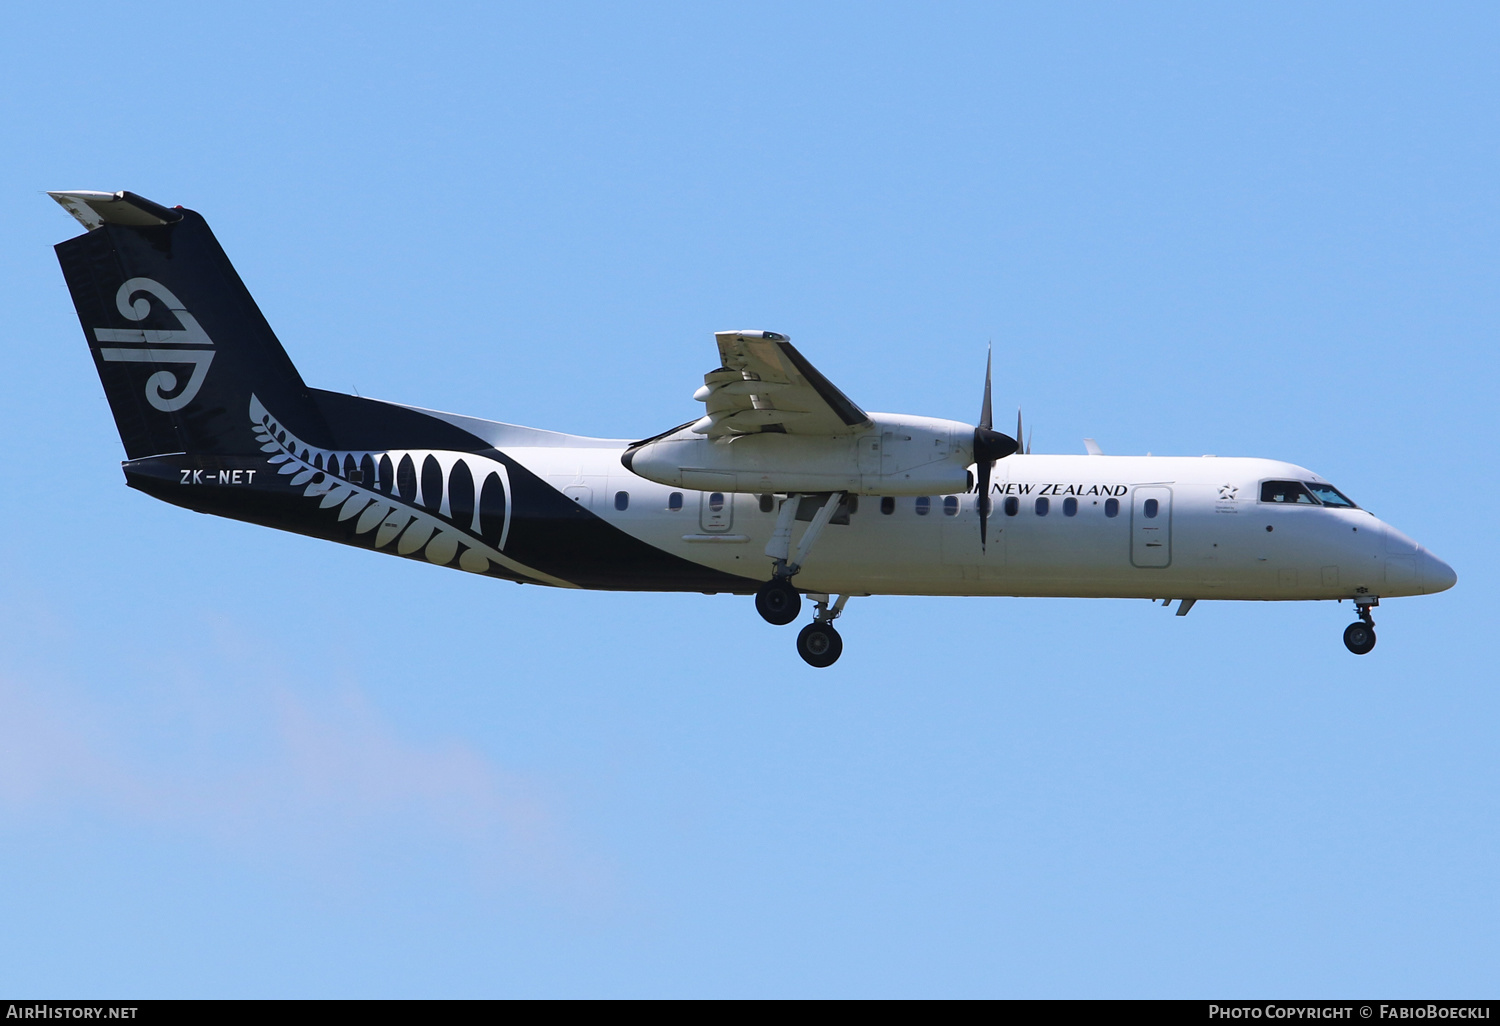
{"x":819,"y":644}
{"x":778,"y":602}
{"x":1359,"y":637}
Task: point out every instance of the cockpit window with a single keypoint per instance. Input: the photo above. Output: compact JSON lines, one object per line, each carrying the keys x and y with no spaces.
{"x":1286,"y":491}
{"x":1330,"y":495}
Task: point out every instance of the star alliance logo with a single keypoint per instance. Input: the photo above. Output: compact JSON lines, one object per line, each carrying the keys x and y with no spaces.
{"x":1227,"y":493}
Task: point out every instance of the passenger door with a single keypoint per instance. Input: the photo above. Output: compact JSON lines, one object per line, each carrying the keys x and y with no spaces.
{"x":716,"y":512}
{"x":1151,"y":526}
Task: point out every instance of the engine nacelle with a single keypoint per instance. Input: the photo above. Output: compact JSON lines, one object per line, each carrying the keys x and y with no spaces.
{"x":895,"y":456}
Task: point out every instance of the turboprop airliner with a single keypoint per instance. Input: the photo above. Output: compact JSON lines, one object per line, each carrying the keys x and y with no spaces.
{"x":784,"y":488}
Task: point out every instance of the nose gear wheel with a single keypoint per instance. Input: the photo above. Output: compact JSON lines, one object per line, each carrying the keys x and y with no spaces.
{"x":1359,"y":637}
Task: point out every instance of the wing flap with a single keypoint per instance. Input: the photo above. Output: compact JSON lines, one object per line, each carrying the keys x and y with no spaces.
{"x":764,"y":384}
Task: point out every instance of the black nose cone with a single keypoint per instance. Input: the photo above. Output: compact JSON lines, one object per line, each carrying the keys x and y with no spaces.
{"x":992,"y":445}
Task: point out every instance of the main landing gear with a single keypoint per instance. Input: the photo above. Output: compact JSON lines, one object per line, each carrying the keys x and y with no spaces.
{"x":778,"y":602}
{"x":818,"y":643}
{"x":1359,"y":636}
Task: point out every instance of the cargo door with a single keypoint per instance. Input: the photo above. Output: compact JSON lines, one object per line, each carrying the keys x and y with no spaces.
{"x":580,"y":488}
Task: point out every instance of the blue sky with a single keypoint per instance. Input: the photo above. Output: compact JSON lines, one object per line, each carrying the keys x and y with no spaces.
{"x":240,"y":763}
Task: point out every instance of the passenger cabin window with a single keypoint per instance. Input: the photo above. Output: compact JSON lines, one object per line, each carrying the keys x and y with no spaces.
{"x":1330,"y":496}
{"x":1151,"y":507}
{"x":887,"y":505}
{"x":674,"y":501}
{"x":622,"y":501}
{"x":924,"y":505}
{"x":950,"y":505}
{"x":1111,"y":507}
{"x":716,"y":501}
{"x":1070,"y":507}
{"x":1042,"y":506}
{"x":1287,"y":491}
{"x":1012,"y":506}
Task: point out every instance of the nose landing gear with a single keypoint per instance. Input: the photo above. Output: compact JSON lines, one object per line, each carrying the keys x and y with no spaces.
{"x":1359,"y":637}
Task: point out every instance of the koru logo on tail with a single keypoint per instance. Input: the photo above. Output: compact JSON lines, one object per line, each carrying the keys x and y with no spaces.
{"x":188,"y":346}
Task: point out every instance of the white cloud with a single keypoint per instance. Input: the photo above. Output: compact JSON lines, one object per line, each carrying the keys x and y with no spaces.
{"x":271,"y":768}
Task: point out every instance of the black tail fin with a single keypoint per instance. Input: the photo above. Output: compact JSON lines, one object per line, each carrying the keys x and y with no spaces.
{"x":179,"y":344}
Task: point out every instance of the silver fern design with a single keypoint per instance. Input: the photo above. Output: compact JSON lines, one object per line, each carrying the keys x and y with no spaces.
{"x":375,"y":497}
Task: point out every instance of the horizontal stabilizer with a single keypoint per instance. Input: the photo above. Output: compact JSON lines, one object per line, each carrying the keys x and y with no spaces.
{"x":95,"y":209}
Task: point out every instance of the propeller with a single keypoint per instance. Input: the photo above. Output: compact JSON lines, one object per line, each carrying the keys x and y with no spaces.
{"x":989,"y":446}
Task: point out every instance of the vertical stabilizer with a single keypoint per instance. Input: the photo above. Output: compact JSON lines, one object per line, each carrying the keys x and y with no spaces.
{"x":179,"y":344}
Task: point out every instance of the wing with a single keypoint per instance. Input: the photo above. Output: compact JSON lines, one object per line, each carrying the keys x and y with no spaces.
{"x":763,"y":384}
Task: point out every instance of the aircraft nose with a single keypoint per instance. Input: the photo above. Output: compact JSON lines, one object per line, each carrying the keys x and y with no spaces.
{"x":1435,"y":574}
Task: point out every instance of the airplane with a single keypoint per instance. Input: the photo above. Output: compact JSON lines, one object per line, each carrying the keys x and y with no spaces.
{"x":782,"y":489}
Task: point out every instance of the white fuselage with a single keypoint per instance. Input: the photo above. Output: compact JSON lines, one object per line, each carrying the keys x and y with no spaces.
{"x":1210,"y":538}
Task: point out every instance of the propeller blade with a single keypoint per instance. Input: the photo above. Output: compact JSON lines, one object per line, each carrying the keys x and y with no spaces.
{"x":986,"y":415}
{"x":984,"y":502}
{"x":1019,"y":433}
{"x":989,"y":446}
